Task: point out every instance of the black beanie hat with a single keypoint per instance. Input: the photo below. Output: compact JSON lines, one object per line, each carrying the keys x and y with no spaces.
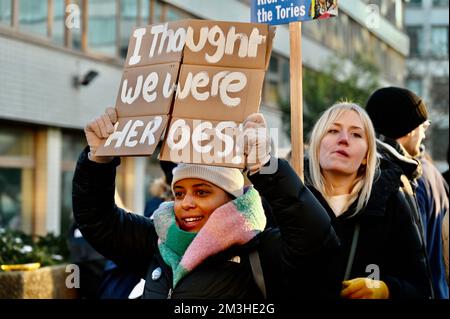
{"x":396,"y":111}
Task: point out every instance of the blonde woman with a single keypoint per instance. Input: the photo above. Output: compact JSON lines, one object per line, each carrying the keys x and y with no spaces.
{"x":380,"y":255}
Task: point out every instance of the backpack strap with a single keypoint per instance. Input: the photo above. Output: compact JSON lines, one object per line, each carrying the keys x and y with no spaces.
{"x":257,"y":272}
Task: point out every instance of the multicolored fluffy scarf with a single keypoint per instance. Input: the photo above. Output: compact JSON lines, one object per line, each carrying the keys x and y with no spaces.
{"x":234,"y":223}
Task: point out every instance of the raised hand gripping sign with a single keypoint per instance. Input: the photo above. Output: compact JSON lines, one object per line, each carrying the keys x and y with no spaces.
{"x":207,"y":75}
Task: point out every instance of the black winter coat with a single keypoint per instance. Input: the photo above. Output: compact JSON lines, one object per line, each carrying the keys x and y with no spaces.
{"x":130,"y":240}
{"x":388,"y":242}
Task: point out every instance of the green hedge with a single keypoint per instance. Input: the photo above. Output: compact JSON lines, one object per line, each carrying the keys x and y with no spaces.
{"x":16,"y":247}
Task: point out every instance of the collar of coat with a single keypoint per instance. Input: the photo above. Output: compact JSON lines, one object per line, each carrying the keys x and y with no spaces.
{"x":393,"y":151}
{"x":235,"y":223}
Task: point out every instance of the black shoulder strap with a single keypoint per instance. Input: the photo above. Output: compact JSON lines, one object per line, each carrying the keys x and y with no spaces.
{"x":258,"y":275}
{"x":351,"y":256}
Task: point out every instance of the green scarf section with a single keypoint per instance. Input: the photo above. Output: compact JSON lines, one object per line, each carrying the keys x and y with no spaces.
{"x":173,"y":241}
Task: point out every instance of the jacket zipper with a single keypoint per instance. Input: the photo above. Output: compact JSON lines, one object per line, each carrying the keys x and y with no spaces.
{"x":169,"y":295}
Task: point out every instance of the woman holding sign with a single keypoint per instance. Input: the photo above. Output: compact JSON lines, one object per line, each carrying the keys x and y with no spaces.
{"x":380,"y":255}
{"x":210,"y":242}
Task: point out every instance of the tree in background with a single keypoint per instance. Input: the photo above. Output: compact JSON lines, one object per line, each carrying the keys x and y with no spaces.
{"x":335,"y":83}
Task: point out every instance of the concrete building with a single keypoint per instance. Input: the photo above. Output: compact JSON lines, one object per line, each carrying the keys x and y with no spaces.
{"x":49,"y":47}
{"x":428,"y":69}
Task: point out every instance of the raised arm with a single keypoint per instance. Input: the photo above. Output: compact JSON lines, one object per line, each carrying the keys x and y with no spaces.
{"x":126,"y":238}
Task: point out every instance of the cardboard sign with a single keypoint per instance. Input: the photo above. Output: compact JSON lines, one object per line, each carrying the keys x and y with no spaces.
{"x":275,"y":12}
{"x":193,"y":70}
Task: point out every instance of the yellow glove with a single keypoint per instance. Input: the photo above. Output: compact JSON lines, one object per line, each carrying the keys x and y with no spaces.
{"x":364,"y":288}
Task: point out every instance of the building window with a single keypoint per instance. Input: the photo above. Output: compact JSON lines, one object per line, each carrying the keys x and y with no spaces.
{"x":101,"y":33}
{"x":415,"y":85}
{"x":440,"y":3}
{"x":416,"y":40}
{"x":439,"y":143}
{"x":16,"y":178}
{"x":439,"y":42}
{"x":75,"y":32}
{"x":5,"y":12}
{"x":128,"y":20}
{"x":33,"y":16}
{"x":72,"y":145}
{"x":58,"y":23}
{"x":439,"y":94}
{"x":415,"y":3}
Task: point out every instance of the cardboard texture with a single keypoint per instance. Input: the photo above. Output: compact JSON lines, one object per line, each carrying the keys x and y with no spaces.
{"x":216,"y":93}
{"x":218,"y":68}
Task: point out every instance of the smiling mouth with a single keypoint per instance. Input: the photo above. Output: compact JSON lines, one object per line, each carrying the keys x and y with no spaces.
{"x":189,"y":220}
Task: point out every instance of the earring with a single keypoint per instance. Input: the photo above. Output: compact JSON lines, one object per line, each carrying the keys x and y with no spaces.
{"x":364,"y":162}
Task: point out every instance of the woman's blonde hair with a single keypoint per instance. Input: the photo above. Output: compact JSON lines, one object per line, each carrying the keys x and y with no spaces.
{"x":362,"y":186}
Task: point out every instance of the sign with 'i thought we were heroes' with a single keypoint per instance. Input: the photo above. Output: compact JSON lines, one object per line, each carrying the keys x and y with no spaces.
{"x":196,"y":79}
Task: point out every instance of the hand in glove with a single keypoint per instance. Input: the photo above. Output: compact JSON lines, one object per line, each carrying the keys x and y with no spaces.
{"x":98,"y":130}
{"x":256,"y":142}
{"x":365,"y":288}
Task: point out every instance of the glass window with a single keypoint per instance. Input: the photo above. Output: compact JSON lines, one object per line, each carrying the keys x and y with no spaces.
{"x":174,"y":14}
{"x":16,"y":178}
{"x":415,"y":85}
{"x":75,"y":29}
{"x":440,"y":3}
{"x":128,"y":18}
{"x":145,"y":11}
{"x":58,"y":22}
{"x":416,"y":3}
{"x":33,"y":16}
{"x":439,"y":42}
{"x":416,"y":40}
{"x":72,"y":145}
{"x":101,"y":32}
{"x":5,"y":12}
{"x":440,"y":94}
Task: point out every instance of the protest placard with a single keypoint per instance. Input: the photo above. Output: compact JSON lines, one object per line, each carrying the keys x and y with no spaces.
{"x":208,"y":74}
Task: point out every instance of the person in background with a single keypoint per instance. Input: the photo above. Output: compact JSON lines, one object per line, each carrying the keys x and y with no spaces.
{"x":400,"y":118}
{"x":160,"y":188}
{"x":380,"y":252}
{"x":432,"y":197}
{"x":211,"y":242}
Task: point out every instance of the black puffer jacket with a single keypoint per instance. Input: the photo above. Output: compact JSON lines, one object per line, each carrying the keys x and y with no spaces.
{"x":130,"y":240}
{"x":388,"y":243}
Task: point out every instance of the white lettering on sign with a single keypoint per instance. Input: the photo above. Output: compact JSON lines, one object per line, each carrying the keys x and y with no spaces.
{"x":147,"y":88}
{"x":138,"y":34}
{"x":129,"y":133}
{"x":185,"y":135}
{"x":290,"y":12}
{"x":199,"y":136}
{"x":203,"y":138}
{"x":174,"y":41}
{"x":223,"y":83}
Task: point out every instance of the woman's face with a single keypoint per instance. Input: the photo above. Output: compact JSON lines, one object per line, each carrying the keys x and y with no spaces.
{"x":195,"y":201}
{"x":344,"y":145}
